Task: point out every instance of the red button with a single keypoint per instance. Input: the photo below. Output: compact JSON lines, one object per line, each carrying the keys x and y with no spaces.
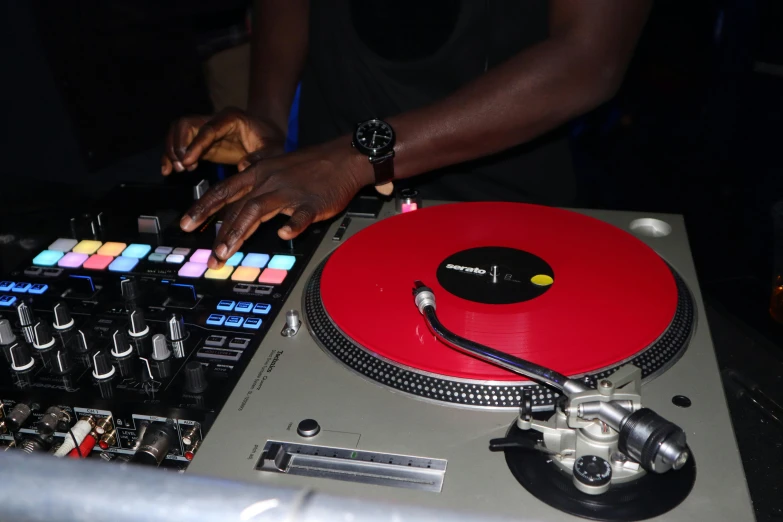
{"x":272,"y":276}
{"x":98,"y":262}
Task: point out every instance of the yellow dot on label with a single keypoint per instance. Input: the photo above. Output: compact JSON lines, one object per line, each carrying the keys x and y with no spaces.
{"x":542,"y":280}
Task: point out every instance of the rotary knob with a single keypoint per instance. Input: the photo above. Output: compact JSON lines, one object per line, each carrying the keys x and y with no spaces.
{"x":120,"y":347}
{"x":592,"y":474}
{"x":102,"y":368}
{"x":21,"y":358}
{"x":195,"y":380}
{"x":82,"y":346}
{"x":62,"y":317}
{"x":129,"y":289}
{"x":42,"y":336}
{"x":160,"y":349}
{"x":176,"y":334}
{"x":138,"y":325}
{"x":7,"y":338}
{"x":61,"y":362}
{"x":26,"y":320}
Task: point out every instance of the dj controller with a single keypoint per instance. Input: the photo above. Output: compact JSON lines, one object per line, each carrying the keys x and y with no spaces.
{"x":493,"y":358}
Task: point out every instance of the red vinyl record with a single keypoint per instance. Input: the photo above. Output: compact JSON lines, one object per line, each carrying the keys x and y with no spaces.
{"x":552,"y":286}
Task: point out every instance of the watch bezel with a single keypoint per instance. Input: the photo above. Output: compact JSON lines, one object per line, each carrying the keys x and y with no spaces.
{"x":368,"y":151}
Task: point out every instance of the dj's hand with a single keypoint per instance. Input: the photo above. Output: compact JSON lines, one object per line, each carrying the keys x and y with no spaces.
{"x":227,"y":137}
{"x":309,"y":185}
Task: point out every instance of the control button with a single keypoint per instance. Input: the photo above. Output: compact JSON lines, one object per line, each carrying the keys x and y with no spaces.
{"x":21,"y":288}
{"x":98,"y":262}
{"x":175,"y":259}
{"x":48,"y":258}
{"x":6,"y":286}
{"x":240,"y":343}
{"x":252,"y":323}
{"x":234,"y":321}
{"x":592,"y":474}
{"x":72,"y":260}
{"x":138,"y":325}
{"x":63,"y":245}
{"x":148,"y":225}
{"x":245,"y":273}
{"x":282,"y":262}
{"x":262,"y":308}
{"x":7,"y":300}
{"x":88,"y":246}
{"x":226,"y":305}
{"x":339,"y":233}
{"x":272,"y":276}
{"x":38,"y":289}
{"x":223,"y":355}
{"x":192,"y":270}
{"x":200,"y":256}
{"x":62,"y":316}
{"x":52,"y":272}
{"x":235,"y":259}
{"x":112,"y":249}
{"x":195,"y":380}
{"x":33,"y":271}
{"x":157,"y":258}
{"x":308,"y":428}
{"x":181,"y":251}
{"x":216,"y":320}
{"x":244,"y":307}
{"x":262,"y":289}
{"x":136,"y":250}
{"x":183,"y":295}
{"x":255,"y":260}
{"x":165,"y":250}
{"x":242,"y":289}
{"x":123,"y":264}
{"x":220,"y":273}
{"x":215,"y":340}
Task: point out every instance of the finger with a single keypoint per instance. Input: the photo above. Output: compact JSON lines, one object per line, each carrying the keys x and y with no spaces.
{"x":165,"y":165}
{"x":193,"y":167}
{"x":230,"y":215}
{"x":302,"y":218}
{"x":386,"y":189}
{"x":213,"y":130}
{"x":216,"y":198}
{"x":255,"y":211}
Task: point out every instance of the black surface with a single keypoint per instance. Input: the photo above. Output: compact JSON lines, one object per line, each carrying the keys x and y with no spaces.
{"x":652,"y":495}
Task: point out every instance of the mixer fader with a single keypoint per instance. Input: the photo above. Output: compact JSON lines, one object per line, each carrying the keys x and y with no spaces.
{"x":119,"y":341}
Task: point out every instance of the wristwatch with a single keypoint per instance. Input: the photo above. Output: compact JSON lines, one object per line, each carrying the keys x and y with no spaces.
{"x":375,"y":139}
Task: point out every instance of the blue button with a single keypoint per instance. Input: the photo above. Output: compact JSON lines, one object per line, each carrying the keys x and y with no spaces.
{"x":282,"y":262}
{"x":244,"y":307}
{"x":253,"y":323}
{"x":226,"y":305}
{"x":5,"y":286}
{"x":255,"y":260}
{"x":216,"y":320}
{"x":38,"y":289}
{"x":136,"y":250}
{"x":123,"y":264}
{"x":48,"y":258}
{"x":7,"y":300}
{"x":262,"y":308}
{"x":21,"y":287}
{"x":234,"y":321}
{"x":235,"y":259}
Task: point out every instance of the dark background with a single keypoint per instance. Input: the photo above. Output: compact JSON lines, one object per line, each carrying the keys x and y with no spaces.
{"x":92,"y":86}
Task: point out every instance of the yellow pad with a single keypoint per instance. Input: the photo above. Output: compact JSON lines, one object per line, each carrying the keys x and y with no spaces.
{"x":245,"y":273}
{"x":111,"y":249}
{"x":221,"y":273}
{"x":87,"y":246}
{"x":541,"y":280}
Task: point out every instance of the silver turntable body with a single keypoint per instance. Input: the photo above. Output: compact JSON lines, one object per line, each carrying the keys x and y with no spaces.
{"x":342,"y":434}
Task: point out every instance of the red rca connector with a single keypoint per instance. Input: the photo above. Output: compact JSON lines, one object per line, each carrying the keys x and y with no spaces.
{"x":85,"y":447}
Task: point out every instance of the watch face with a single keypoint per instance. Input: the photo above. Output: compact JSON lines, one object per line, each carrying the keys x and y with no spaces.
{"x":374,"y":136}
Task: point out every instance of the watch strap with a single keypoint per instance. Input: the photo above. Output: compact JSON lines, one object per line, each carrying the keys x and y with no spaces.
{"x":384,"y":168}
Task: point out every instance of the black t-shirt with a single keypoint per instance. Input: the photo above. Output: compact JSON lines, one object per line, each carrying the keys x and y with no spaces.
{"x":370,"y":59}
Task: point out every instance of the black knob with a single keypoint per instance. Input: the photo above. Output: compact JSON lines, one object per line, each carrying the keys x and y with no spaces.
{"x":42,"y":336}
{"x":308,"y":428}
{"x":61,"y":362}
{"x":195,"y":380}
{"x":21,"y":358}
{"x":176,"y":334}
{"x":18,"y":416}
{"x":120,"y":347}
{"x":101,"y":366}
{"x":62,"y":316}
{"x":138,"y":325}
{"x":129,"y":289}
{"x":82,"y":346}
{"x":182,"y":295}
{"x":592,"y":474}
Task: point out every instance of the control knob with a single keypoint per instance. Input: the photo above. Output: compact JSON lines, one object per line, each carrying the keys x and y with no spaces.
{"x":161,"y":355}
{"x":42,"y":336}
{"x":129,"y":289}
{"x":592,"y":474}
{"x":102,"y":368}
{"x":62,"y":317}
{"x":7,"y":338}
{"x":21,"y":358}
{"x":121,"y":350}
{"x":81,"y":343}
{"x":176,"y":334}
{"x":195,"y":380}
{"x":61,"y":362}
{"x":26,"y":320}
{"x":138,"y":325}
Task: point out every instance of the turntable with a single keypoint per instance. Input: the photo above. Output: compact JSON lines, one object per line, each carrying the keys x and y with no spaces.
{"x":493,"y":358}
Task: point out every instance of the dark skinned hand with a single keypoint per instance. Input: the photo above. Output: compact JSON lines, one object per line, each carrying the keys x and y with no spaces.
{"x":309,"y":185}
{"x":227,"y":137}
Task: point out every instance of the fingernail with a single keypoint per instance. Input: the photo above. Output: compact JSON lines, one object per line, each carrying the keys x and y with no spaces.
{"x":221,"y":251}
{"x":163,"y":170}
{"x":186,"y":223}
{"x":286,"y":230}
{"x":178,"y":166}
